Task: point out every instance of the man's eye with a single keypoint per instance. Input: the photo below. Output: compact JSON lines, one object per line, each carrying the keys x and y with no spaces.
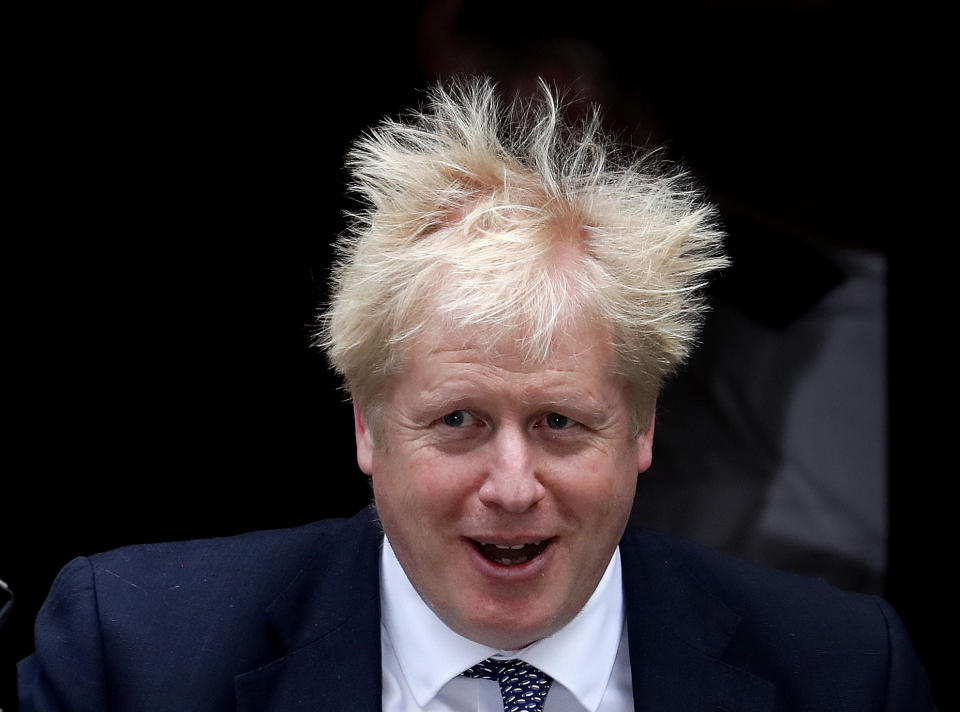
{"x":556,"y":421}
{"x":457,"y":418}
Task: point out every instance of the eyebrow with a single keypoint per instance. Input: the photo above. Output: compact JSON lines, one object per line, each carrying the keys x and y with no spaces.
{"x":436,"y":401}
{"x":585,"y":408}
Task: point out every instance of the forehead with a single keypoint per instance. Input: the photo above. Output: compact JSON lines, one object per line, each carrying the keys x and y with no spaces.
{"x":579,"y":364}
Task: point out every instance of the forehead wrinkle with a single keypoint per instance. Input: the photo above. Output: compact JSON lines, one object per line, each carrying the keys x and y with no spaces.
{"x":495,"y":360}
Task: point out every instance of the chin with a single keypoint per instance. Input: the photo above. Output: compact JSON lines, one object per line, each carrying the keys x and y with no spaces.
{"x":496,"y":625}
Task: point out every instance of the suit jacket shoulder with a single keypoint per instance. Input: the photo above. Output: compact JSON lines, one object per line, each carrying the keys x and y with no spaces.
{"x":757,"y":638}
{"x":170,"y":626}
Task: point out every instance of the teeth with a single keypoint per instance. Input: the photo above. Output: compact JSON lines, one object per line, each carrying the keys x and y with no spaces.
{"x":512,"y":554}
{"x":514,"y":547}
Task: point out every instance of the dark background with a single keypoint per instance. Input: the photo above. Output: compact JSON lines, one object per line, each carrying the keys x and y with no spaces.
{"x":176,"y":179}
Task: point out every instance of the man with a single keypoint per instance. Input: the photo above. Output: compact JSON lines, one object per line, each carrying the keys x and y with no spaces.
{"x":503,"y":315}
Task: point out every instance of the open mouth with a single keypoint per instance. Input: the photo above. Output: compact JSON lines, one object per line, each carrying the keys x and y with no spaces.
{"x":512,"y":555}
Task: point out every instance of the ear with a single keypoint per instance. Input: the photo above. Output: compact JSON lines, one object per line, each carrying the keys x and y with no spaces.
{"x":364,"y":441}
{"x":645,"y":444}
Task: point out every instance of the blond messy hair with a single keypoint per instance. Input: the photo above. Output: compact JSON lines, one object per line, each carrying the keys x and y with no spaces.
{"x":512,"y":225}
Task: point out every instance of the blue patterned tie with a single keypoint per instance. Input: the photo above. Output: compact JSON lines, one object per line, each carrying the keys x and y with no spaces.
{"x":522,"y":686}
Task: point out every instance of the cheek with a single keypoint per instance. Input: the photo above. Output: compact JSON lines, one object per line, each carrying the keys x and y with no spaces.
{"x":601,"y":487}
{"x":424,"y":482}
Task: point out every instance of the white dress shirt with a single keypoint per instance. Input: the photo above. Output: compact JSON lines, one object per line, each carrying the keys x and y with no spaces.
{"x":422,"y":658}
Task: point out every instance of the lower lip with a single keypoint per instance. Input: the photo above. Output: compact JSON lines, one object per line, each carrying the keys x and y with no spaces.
{"x":512,"y":573}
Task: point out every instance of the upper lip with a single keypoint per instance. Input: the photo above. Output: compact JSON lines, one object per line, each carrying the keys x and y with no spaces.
{"x":511,"y":540}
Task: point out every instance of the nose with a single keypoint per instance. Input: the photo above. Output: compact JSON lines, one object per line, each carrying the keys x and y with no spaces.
{"x":511,"y":483}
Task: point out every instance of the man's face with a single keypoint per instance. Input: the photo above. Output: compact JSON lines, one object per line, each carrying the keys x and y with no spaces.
{"x":504,"y":489}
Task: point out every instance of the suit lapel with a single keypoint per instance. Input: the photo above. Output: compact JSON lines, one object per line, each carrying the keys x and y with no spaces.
{"x":328,"y":620}
{"x":678,"y":633}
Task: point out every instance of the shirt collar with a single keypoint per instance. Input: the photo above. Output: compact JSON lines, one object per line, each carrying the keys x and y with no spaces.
{"x":580,"y":655}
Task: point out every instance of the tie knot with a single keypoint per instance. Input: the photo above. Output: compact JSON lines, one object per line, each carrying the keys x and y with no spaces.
{"x":522,"y":686}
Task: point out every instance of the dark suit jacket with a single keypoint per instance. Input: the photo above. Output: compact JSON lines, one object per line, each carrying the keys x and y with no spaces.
{"x":290,"y":620}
